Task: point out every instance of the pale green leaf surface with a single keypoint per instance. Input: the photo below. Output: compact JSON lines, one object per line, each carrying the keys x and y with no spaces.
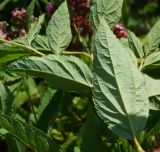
{"x":153,"y":39}
{"x":119,"y":92}
{"x":41,"y":43}
{"x":109,"y":9}
{"x":62,"y":72}
{"x":58,"y":30}
{"x":135,"y":45}
{"x":154,"y":102}
{"x":125,"y":44}
{"x":152,"y":86}
{"x":152,"y":61}
{"x":29,"y":135}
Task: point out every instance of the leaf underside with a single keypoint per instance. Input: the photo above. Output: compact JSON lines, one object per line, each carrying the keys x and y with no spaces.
{"x":61,"y":72}
{"x":119,"y":94}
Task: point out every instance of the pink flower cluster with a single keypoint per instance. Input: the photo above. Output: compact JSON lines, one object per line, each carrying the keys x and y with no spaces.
{"x":18,"y":15}
{"x":50,"y":9}
{"x":3,"y":32}
{"x":120,"y":31}
{"x":80,"y":9}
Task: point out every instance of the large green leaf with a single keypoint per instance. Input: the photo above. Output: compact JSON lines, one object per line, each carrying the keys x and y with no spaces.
{"x":135,"y":45}
{"x":109,"y":9}
{"x":58,"y":30}
{"x":6,"y":100}
{"x":29,"y":135}
{"x":152,"y":61}
{"x":62,"y":72}
{"x":119,"y":93}
{"x":153,"y":39}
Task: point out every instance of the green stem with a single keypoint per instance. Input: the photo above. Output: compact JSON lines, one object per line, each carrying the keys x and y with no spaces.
{"x":23,"y":46}
{"x":141,"y":64}
{"x":136,"y":145}
{"x":90,"y":56}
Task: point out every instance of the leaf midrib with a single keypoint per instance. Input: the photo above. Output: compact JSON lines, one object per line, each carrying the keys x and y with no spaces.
{"x":89,"y":86}
{"x":130,"y":122}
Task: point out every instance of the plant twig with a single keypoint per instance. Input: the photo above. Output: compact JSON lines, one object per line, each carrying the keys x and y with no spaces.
{"x":23,"y":46}
{"x":141,"y":64}
{"x":136,"y":145}
{"x":90,"y":56}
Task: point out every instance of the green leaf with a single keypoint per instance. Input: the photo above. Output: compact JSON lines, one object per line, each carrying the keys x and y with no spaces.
{"x":152,"y":86}
{"x":6,"y":100}
{"x":45,"y":110}
{"x":154,"y":103}
{"x":111,"y":10}
{"x":118,"y":87}
{"x":62,"y":72}
{"x":58,"y":30}
{"x":29,"y":135}
{"x":35,"y":28}
{"x":125,"y":44}
{"x":33,"y":32}
{"x":10,"y":52}
{"x":153,"y":39}
{"x":41,"y":43}
{"x":135,"y":45}
{"x":153,"y":92}
{"x":152,"y":61}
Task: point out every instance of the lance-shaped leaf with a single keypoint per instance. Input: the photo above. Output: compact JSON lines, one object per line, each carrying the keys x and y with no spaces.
{"x":135,"y":45}
{"x":119,"y":94}
{"x":29,"y":135}
{"x":6,"y":100}
{"x":62,"y":72}
{"x":152,"y":61}
{"x":58,"y":30}
{"x":33,"y":32}
{"x":34,"y":29}
{"x":153,"y":39}
{"x":109,"y":9}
